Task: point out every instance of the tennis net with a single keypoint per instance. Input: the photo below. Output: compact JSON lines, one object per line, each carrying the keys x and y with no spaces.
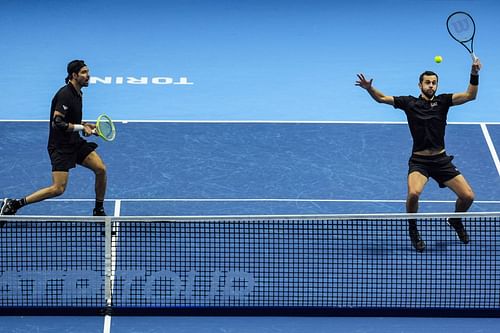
{"x":331,"y":264}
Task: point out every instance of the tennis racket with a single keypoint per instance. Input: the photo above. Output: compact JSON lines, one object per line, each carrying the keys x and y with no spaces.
{"x":105,"y":128}
{"x":462,"y":28}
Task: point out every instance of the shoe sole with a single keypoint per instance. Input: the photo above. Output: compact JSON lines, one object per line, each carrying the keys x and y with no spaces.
{"x":456,"y":233}
{"x":414,"y":244}
{"x":419,"y":250}
{"x":2,"y":223}
{"x":3,"y":205}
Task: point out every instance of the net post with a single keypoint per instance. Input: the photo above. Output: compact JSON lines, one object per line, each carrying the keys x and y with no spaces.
{"x":108,"y":268}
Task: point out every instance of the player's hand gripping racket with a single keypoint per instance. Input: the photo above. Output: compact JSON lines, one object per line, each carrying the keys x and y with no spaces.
{"x":105,"y":128}
{"x":462,"y":28}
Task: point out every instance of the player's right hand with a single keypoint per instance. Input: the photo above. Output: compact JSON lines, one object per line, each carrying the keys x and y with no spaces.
{"x":88,"y":129}
{"x":476,"y":66}
{"x":363,"y":82}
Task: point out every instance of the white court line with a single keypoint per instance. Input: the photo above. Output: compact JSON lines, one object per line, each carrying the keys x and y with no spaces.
{"x":302,"y":200}
{"x":491,"y":147}
{"x":107,"y":324}
{"x":118,"y":207}
{"x":107,"y":317}
{"x":375,"y":122}
{"x":265,"y":200}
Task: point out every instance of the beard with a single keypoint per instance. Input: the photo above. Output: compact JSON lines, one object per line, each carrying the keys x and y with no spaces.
{"x":429,"y":93}
{"x":83,"y":82}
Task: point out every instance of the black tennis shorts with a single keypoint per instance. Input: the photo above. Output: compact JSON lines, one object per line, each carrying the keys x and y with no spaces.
{"x":438,"y":167}
{"x":65,"y":159}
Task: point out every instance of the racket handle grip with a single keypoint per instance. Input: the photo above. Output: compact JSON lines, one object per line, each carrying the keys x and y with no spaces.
{"x":94,"y":131}
{"x":473,"y":56}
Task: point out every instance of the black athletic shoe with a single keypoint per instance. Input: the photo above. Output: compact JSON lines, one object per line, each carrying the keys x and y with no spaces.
{"x":459,"y":229}
{"x":8,"y":207}
{"x":416,"y":240}
{"x":99,"y":212}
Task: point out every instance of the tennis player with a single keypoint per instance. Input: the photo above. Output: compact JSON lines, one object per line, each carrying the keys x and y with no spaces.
{"x":66,"y":147}
{"x":426,"y":116}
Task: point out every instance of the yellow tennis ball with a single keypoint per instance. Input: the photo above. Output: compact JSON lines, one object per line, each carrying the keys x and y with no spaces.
{"x":438,"y":59}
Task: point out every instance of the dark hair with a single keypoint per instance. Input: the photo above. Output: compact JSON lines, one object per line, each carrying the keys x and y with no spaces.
{"x":74,"y":66}
{"x":428,"y":73}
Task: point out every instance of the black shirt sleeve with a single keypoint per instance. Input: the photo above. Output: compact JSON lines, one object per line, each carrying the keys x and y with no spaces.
{"x":401,"y":102}
{"x":63,"y":103}
{"x":447,"y":99}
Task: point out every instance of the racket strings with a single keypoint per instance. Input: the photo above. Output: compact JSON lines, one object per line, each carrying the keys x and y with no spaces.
{"x":461,"y":27}
{"x":107,"y":129}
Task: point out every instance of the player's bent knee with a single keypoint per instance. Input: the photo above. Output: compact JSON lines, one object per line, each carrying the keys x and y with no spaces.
{"x":100,"y":169}
{"x":57,"y":190}
{"x":413,"y":195}
{"x":468,"y":197}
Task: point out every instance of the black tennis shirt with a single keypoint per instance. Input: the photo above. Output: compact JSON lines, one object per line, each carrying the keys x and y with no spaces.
{"x":426,"y":119}
{"x":67,"y":101}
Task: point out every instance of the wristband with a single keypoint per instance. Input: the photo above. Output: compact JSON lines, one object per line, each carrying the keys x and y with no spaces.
{"x":474,"y":80}
{"x":77,"y":128}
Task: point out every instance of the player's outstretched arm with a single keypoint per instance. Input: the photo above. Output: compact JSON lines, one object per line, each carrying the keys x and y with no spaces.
{"x":471,"y":93}
{"x":374,"y":93}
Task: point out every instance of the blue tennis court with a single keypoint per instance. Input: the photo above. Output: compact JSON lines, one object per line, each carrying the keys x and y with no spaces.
{"x":245,"y":108}
{"x":251,"y":168}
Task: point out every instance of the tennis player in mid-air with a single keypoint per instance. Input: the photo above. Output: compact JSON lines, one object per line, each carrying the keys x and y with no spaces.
{"x":426,"y":116}
{"x":66,"y":147}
